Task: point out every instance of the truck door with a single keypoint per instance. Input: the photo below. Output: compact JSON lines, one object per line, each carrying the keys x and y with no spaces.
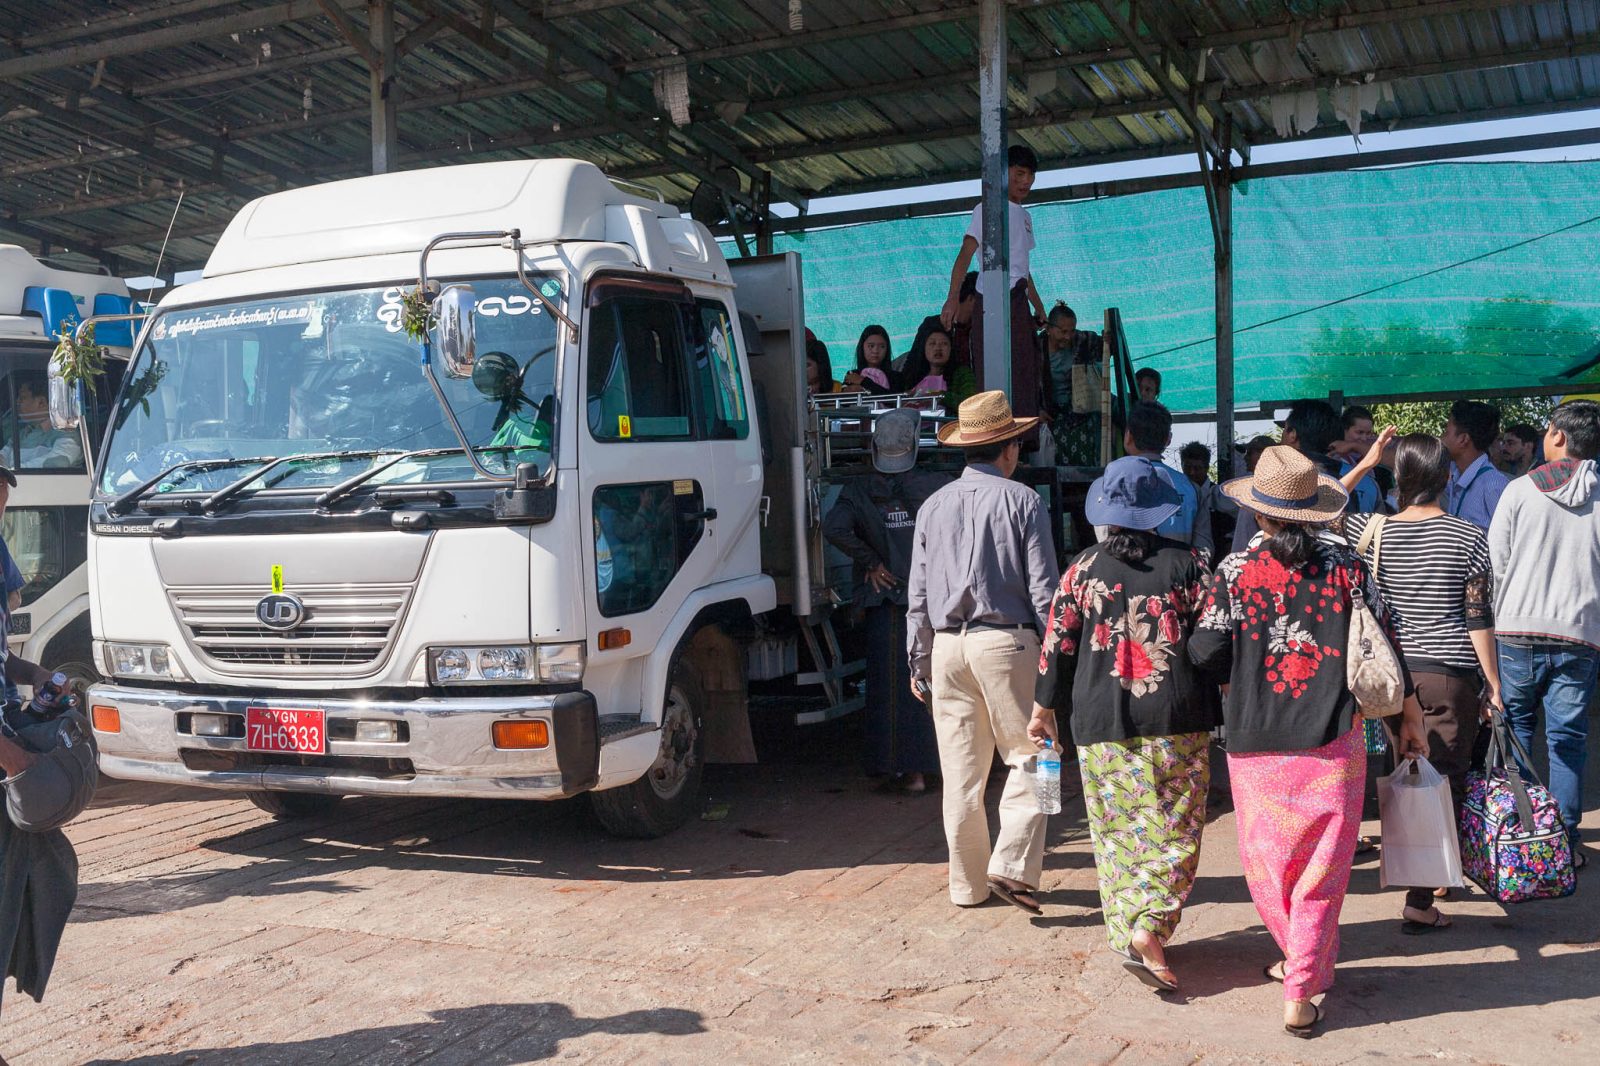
{"x":647,"y":473}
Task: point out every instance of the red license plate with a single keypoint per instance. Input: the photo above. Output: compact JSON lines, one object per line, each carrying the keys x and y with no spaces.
{"x":281,"y":729}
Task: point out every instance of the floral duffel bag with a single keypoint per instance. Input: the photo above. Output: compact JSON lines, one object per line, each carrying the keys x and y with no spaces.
{"x":1513,"y":842}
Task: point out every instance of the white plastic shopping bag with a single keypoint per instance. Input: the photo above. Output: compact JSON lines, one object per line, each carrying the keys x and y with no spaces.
{"x":1420,"y":849}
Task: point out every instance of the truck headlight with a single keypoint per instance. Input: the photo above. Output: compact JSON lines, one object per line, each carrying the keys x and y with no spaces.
{"x":551,"y":664}
{"x":141,"y":660}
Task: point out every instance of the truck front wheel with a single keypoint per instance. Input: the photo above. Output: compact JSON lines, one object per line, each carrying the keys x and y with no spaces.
{"x":668,"y":793}
{"x":287,"y":806}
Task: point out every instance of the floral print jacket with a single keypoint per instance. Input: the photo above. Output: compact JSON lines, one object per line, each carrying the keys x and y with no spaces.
{"x":1114,"y":660}
{"x":1278,"y":636}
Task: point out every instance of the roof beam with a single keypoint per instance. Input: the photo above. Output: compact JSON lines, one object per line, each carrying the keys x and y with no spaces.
{"x":354,"y":35}
{"x":560,"y":9}
{"x":1199,"y":122}
{"x":1120,"y":187}
{"x":468,"y":92}
{"x":1095,"y":190}
{"x":158,"y":155}
{"x":554,"y":41}
{"x":807,"y":38}
{"x":166,"y":37}
{"x":120,"y":22}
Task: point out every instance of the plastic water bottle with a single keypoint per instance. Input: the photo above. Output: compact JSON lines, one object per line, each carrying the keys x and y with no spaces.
{"x":1047,"y":780}
{"x":51,"y":698}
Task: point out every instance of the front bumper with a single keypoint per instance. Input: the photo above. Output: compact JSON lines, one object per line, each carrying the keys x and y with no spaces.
{"x":446,"y":747}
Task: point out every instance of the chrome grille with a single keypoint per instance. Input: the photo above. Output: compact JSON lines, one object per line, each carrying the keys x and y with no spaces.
{"x":346,"y":632}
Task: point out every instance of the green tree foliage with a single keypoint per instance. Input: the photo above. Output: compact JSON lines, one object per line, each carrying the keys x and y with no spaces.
{"x":1430,"y":417}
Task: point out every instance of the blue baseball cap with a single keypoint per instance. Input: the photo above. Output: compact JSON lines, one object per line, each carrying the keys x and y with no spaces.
{"x":1133,"y":495}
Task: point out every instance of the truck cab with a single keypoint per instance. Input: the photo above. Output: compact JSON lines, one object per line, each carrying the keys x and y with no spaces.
{"x":46,"y":519}
{"x":493,"y":535}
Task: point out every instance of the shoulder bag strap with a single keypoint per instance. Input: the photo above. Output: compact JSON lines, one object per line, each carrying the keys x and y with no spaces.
{"x":1372,"y":535}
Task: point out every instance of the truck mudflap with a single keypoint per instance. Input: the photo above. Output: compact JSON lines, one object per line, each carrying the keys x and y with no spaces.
{"x":430,"y":747}
{"x":575,"y":732}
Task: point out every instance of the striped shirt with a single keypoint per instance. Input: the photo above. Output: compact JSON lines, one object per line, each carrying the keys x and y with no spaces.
{"x":1437,"y":579}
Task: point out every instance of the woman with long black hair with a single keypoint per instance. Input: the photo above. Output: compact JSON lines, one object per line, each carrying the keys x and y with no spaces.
{"x":1276,"y":627}
{"x":872,"y":374}
{"x":1435,"y":572}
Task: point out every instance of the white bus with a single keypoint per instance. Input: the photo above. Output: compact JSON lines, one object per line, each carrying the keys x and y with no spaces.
{"x":46,"y":522}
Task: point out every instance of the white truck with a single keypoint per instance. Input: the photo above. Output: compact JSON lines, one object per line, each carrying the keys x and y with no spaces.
{"x":46,"y":520}
{"x":539,"y":551}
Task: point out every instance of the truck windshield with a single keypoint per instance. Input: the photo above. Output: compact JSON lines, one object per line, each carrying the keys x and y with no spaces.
{"x":332,"y":375}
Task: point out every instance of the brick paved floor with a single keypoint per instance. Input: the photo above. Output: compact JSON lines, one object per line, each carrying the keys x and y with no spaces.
{"x":810,"y":924}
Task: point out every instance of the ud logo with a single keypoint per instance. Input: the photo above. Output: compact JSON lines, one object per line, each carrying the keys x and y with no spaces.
{"x":281,"y":611}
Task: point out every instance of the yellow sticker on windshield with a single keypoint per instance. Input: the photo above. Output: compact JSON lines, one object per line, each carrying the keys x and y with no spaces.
{"x":277,"y":580}
{"x":624,"y":426}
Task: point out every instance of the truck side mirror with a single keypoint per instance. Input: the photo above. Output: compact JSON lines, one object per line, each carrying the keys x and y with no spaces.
{"x":64,"y":412}
{"x":454,"y":310}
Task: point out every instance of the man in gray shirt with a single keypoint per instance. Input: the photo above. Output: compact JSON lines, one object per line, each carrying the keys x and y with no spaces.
{"x":983,"y":571}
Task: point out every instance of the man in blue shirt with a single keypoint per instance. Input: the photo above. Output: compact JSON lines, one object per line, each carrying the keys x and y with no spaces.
{"x":1475,"y":484}
{"x":1148,"y":434}
{"x":11,"y":583}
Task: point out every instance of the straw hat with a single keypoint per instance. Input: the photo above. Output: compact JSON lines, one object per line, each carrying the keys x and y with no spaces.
{"x":984,"y":419}
{"x":1287,"y":486}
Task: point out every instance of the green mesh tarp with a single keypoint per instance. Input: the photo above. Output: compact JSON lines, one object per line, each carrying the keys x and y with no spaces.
{"x":1485,"y":276}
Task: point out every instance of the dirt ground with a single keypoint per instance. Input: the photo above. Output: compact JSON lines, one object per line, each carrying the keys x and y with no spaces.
{"x":805,"y":919}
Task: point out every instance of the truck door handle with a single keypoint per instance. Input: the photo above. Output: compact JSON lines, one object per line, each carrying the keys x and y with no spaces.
{"x":708,"y":515}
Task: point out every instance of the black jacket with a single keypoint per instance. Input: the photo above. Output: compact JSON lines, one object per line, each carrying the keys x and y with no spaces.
{"x":1115,"y":656}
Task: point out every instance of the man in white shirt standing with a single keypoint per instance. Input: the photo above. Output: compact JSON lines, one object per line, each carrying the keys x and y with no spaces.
{"x":1475,"y":483}
{"x":1026,"y":364}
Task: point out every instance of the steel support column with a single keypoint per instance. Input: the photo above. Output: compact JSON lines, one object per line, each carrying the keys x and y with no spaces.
{"x":385,"y":132}
{"x":1221,"y":189}
{"x":995,"y":276}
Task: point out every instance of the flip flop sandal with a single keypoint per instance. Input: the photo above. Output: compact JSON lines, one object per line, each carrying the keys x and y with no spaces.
{"x":1308,"y":1030}
{"x":1273,"y":972}
{"x":1149,"y":975}
{"x":1366,"y":846}
{"x":1441,"y":893}
{"x":1412,"y":927}
{"x":1018,"y":897}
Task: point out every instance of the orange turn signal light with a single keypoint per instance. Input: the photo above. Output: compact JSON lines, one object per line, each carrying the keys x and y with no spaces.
{"x":106,"y":719}
{"x":614,"y":638}
{"x":521,"y":734}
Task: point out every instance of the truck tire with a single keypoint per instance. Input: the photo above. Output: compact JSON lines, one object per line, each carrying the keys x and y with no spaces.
{"x":668,"y":794}
{"x":71,"y":653}
{"x":290,"y":806}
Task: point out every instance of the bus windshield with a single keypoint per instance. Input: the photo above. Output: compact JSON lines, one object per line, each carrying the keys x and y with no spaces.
{"x":218,"y":388}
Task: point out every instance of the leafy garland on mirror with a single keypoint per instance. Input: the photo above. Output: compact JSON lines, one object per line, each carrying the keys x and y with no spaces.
{"x":80,"y":361}
{"x":415,"y":314}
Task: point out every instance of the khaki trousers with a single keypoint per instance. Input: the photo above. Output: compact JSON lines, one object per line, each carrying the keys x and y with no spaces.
{"x":982,"y":700}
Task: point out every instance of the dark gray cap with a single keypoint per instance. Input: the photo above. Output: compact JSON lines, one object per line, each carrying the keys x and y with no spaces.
{"x":894,"y":440}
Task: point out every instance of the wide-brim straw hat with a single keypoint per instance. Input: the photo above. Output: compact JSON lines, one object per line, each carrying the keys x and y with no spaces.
{"x":984,"y":419}
{"x":1288,"y":487}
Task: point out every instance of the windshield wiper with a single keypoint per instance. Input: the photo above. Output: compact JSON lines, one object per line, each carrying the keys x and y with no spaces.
{"x":229,"y":492}
{"x":346,"y":487}
{"x":129,"y":500}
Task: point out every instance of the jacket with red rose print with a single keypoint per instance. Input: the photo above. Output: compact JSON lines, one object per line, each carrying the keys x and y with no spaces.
{"x":1278,"y":637}
{"x":1114,"y":662}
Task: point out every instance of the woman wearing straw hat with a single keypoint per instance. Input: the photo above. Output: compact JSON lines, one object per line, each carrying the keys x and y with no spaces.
{"x":983,"y":569}
{"x":1276,"y":626}
{"x":1116,"y":661}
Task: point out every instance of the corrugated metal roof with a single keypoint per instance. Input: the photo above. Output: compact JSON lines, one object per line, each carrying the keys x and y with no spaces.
{"x":105,"y":118}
